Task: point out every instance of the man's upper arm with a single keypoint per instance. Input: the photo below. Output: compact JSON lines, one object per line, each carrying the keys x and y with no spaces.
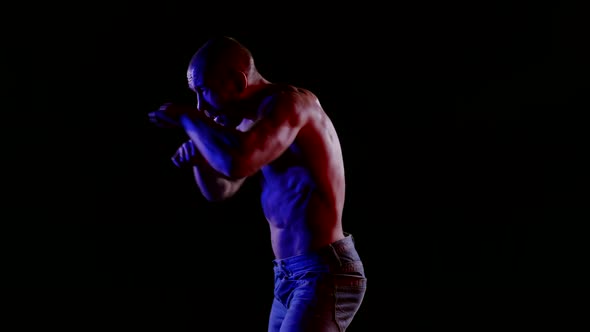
{"x":282,"y":116}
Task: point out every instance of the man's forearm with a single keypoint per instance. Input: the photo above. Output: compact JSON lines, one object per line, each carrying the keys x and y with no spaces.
{"x":213,"y":185}
{"x":217,"y":144}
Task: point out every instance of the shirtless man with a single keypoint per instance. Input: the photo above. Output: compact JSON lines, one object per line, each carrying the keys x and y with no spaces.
{"x":245,"y":125}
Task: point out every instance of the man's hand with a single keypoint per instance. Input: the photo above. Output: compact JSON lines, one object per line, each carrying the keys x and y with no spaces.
{"x":186,"y":155}
{"x":168,"y":115}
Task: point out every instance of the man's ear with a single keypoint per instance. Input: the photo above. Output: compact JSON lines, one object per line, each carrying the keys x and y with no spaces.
{"x":241,"y":81}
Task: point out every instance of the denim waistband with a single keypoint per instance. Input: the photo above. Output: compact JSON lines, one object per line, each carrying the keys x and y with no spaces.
{"x":338,"y":254}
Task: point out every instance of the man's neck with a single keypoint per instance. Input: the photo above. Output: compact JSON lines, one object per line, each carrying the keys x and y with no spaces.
{"x":255,"y":85}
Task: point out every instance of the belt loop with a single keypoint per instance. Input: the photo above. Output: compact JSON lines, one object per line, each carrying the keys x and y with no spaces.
{"x":336,"y":255}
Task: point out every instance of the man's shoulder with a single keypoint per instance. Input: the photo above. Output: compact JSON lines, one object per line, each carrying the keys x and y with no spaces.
{"x":287,"y":100}
{"x":289,"y":93}
{"x":287,"y":89}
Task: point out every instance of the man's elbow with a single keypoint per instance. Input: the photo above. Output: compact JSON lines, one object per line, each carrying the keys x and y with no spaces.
{"x":215,"y":197}
{"x":222,"y":192}
{"x":237,"y":173}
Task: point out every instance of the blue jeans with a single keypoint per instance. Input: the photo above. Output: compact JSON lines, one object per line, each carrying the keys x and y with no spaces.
{"x":318,"y":292}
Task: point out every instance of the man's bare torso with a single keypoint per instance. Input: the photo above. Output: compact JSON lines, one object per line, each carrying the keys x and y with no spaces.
{"x":303,"y":190}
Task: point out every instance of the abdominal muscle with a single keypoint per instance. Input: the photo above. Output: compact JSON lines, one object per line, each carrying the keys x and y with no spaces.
{"x":299,"y":217}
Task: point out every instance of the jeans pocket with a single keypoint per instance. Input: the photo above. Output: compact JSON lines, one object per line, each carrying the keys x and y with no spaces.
{"x":349,"y":291}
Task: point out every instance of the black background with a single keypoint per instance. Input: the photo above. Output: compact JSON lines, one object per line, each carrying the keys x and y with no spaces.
{"x":462,"y":130}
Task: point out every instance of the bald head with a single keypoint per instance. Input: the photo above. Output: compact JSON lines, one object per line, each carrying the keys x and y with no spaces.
{"x":222,"y":74}
{"x":220,"y":56}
